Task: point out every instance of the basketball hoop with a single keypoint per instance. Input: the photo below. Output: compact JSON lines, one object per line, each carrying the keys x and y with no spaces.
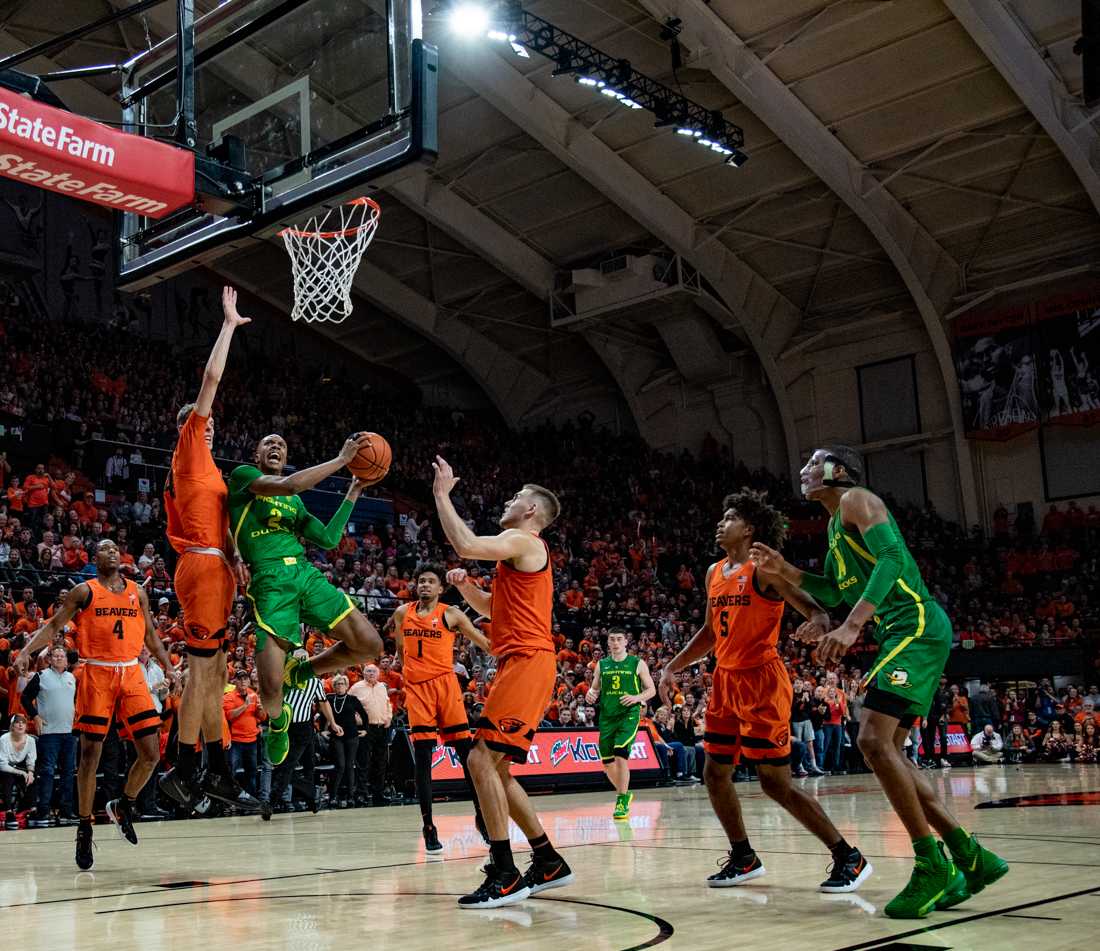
{"x":324,"y":256}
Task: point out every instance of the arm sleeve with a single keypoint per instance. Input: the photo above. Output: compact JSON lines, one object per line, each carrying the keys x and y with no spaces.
{"x":29,"y":696}
{"x":822,"y":588}
{"x":192,"y":455}
{"x":326,"y":536}
{"x":884,"y":544}
{"x":32,"y":753}
{"x":241,"y":478}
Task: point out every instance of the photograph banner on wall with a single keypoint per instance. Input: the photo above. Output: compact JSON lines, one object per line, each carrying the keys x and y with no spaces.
{"x":1068,"y":329}
{"x":995,"y":358}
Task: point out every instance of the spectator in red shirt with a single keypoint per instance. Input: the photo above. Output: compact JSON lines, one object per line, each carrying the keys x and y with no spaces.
{"x":15,"y":495}
{"x":244,"y":713}
{"x":85,"y":509}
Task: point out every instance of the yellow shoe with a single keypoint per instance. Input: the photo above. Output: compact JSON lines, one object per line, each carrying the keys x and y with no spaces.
{"x":622,"y":806}
{"x":277,"y":741}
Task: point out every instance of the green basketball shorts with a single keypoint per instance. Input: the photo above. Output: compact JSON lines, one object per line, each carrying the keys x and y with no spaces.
{"x":910,"y":661}
{"x":286,"y":593}
{"x":617,"y":735}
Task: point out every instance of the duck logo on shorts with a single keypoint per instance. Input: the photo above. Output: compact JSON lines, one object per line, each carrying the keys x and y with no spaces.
{"x":899,"y":677}
{"x":510,"y":725}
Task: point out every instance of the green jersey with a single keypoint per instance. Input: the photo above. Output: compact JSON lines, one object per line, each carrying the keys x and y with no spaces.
{"x":618,"y":678}
{"x":268,"y":528}
{"x":849,"y":564}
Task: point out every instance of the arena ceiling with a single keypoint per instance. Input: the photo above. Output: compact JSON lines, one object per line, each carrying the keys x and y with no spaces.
{"x":906,"y":157}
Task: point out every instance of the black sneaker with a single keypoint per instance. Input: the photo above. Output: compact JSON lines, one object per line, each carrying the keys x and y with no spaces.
{"x":181,"y":791}
{"x":121,"y":814}
{"x":84,"y":857}
{"x":11,"y":821}
{"x":736,"y":871}
{"x":542,"y":876}
{"x":431,"y":840}
{"x":39,"y":821}
{"x":847,"y":877}
{"x":66,"y":819}
{"x":228,"y":791}
{"x":499,"y":888}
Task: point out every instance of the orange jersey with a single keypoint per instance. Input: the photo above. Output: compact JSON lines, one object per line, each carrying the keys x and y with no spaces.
{"x":112,"y":626}
{"x":522,"y":609}
{"x":745,"y":621}
{"x":429,"y":645}
{"x":195,"y":496}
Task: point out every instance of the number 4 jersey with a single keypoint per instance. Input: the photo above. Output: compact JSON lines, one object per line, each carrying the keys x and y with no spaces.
{"x":745,"y":621}
{"x":111,"y":624}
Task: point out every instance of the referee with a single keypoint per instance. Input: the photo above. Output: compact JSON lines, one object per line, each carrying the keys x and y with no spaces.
{"x":302,"y":746}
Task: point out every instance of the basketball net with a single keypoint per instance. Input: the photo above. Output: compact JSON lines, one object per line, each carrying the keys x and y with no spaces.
{"x":324,"y":256}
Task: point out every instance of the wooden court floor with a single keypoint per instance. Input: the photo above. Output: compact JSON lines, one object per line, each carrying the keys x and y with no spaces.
{"x":360,"y":879}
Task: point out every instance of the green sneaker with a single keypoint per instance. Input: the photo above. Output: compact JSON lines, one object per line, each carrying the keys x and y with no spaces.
{"x":277,"y":741}
{"x":981,"y":868}
{"x":956,"y":892}
{"x":622,"y":806}
{"x":928,"y":884}
{"x":297,"y":673}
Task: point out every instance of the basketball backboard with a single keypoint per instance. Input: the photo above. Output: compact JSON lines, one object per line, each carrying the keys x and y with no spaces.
{"x":310,"y":99}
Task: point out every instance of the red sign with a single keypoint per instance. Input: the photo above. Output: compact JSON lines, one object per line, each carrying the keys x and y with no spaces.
{"x":957,"y":741}
{"x":65,"y":153}
{"x":556,"y":753}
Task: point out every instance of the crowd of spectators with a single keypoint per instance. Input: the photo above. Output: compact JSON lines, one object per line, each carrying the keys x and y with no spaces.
{"x":630,"y":549}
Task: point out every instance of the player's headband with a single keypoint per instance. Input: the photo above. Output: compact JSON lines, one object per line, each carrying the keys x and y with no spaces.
{"x":829,"y":479}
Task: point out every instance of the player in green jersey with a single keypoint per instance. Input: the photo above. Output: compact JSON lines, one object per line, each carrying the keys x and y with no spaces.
{"x":267,"y":519}
{"x":622,"y":684}
{"x":869,"y":568}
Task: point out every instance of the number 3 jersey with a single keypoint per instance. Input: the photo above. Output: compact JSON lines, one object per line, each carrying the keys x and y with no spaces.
{"x":745,"y":621}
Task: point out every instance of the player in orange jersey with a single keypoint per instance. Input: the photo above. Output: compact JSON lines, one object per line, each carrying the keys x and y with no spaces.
{"x":425,"y":635}
{"x":749,"y":713}
{"x":114,"y":623}
{"x":521,"y":608}
{"x":206,"y":581}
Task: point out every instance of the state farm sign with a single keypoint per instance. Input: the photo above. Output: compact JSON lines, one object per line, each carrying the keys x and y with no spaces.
{"x":65,"y":153}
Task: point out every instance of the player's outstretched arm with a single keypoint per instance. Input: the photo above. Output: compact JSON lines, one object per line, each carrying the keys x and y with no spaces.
{"x":481,"y":601}
{"x":817,"y":619}
{"x":215,"y":364}
{"x":821,"y":588}
{"x":459,"y":622}
{"x":510,"y":545}
{"x":304,"y":479}
{"x":328,"y":536}
{"x":153,"y":642}
{"x":74,"y":602}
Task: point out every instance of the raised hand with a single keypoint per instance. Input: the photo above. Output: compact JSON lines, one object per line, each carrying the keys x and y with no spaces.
{"x":229,"y":308}
{"x":352,"y":445}
{"x":456,"y":576}
{"x":445,"y":479}
{"x":766,"y":559}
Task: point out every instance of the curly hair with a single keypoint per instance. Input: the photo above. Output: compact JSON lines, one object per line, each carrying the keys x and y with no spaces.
{"x":769,"y":525}
{"x":428,"y":568}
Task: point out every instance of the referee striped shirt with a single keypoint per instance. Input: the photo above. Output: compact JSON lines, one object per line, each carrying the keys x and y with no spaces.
{"x":301,"y":700}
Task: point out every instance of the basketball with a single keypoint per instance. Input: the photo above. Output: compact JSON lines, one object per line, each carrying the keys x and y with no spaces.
{"x":372,"y":463}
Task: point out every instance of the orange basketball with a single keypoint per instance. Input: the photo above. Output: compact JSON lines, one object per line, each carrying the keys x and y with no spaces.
{"x":372,"y":463}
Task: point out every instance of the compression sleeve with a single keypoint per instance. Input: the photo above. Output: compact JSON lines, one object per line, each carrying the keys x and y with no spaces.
{"x":327,"y":536}
{"x":883,"y":542}
{"x":822,"y":588}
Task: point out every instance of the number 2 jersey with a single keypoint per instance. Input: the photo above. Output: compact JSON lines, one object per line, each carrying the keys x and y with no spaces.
{"x":745,"y":621}
{"x":265,"y":527}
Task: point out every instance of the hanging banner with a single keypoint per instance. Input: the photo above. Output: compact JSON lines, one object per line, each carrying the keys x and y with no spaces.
{"x":69,"y":154}
{"x":1069,"y":348}
{"x":996,"y":364}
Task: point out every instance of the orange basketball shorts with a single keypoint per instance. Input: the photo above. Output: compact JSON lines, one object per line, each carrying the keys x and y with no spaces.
{"x":104,"y":694}
{"x":521,"y":693}
{"x":749,"y":715}
{"x":435,"y":708}
{"x":205,"y":586}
